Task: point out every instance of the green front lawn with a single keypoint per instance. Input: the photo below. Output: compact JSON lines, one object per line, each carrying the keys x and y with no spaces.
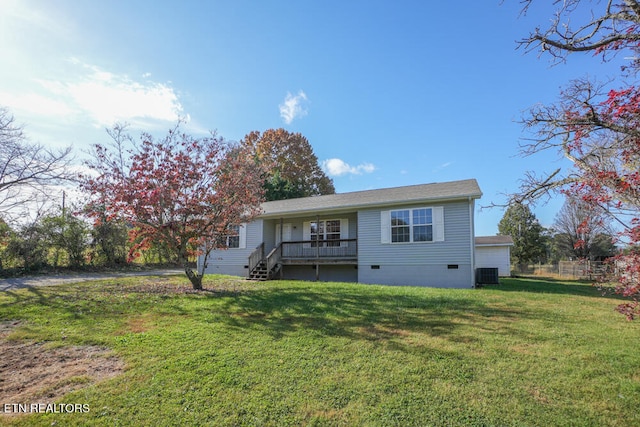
{"x":526,"y":352}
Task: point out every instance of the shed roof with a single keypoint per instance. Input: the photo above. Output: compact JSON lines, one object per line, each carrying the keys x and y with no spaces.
{"x":422,"y":193}
{"x":494,"y":241}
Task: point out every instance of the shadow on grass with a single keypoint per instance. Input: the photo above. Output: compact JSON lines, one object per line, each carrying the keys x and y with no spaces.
{"x":95,"y":301}
{"x":386,"y":315}
{"x":553,"y":286}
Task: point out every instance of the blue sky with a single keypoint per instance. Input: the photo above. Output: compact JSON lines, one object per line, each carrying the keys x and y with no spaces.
{"x":389,"y":93}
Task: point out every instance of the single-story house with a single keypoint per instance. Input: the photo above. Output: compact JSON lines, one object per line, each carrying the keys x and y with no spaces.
{"x":421,"y":235}
{"x":494,"y":252}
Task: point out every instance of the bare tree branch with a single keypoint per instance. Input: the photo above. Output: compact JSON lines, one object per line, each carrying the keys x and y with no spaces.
{"x":595,"y":126}
{"x":610,"y":27}
{"x":26,"y":169}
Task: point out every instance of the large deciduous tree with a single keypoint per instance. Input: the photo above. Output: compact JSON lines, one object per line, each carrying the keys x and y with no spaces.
{"x":292,"y":167}
{"x":27,"y":170}
{"x":527,"y":233}
{"x":582,"y":231}
{"x":183,"y":192}
{"x":596,"y":125}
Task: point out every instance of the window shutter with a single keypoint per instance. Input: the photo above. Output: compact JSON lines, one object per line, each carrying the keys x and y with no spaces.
{"x":385,"y":227}
{"x":344,"y":231}
{"x":438,"y":224}
{"x":306,"y":233}
{"x":242,"y":236}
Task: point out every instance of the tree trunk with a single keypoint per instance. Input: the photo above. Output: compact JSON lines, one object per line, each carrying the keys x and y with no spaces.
{"x":194,"y":278}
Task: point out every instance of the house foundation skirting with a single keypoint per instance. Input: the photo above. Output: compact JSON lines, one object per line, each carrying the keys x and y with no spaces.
{"x":324,"y":273}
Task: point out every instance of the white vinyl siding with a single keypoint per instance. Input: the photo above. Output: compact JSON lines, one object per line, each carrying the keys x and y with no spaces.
{"x":233,"y":260}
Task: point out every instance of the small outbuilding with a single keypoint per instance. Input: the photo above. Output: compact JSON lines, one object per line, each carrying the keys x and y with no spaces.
{"x":494,"y":252}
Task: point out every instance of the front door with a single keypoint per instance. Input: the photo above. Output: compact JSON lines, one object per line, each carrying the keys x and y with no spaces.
{"x":286,"y":233}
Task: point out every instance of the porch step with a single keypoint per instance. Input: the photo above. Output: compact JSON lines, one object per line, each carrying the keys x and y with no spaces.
{"x":261,"y":273}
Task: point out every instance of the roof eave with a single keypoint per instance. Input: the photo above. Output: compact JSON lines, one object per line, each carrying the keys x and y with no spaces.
{"x":356,"y":207}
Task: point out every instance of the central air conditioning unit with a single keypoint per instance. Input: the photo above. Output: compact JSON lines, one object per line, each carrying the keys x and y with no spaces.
{"x":487,"y":276}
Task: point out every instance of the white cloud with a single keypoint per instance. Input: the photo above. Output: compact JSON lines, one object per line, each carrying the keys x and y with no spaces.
{"x":36,"y":104}
{"x":293,"y":107}
{"x":116,"y":99}
{"x":442,"y":166}
{"x":338,"y":167}
{"x":109,"y":98}
{"x":103,"y":96}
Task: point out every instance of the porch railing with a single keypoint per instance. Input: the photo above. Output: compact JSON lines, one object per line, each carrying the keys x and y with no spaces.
{"x":274,"y":258}
{"x":308,"y":249}
{"x":256,"y":257}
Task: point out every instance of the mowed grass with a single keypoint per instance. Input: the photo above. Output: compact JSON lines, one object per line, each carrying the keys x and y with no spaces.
{"x":524,"y":353}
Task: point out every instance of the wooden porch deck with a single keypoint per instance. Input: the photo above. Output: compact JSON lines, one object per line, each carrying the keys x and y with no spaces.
{"x":307,"y":252}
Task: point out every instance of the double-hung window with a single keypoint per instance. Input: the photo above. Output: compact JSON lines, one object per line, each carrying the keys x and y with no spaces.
{"x":233,"y":238}
{"x":422,"y":225}
{"x":236,"y":237}
{"x":401,"y":226}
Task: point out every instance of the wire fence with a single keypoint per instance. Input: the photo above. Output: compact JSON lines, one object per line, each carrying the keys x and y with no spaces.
{"x":578,"y":270}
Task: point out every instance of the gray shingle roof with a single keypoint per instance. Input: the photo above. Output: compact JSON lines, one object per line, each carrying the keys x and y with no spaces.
{"x":494,"y":240}
{"x":422,"y":193}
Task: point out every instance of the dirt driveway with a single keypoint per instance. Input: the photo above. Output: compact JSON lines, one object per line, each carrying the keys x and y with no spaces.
{"x":58,"y":279}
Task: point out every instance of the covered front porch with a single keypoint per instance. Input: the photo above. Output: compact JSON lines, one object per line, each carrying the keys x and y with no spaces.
{"x":306,"y":252}
{"x":293,"y":242}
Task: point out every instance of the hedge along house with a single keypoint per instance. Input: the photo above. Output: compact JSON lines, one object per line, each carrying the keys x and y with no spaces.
{"x":421,"y":235}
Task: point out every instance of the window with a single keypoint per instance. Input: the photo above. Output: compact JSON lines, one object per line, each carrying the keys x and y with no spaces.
{"x":422,"y":225}
{"x":233,"y":239}
{"x":413,"y":225}
{"x":400,"y":226}
{"x":317,"y":233}
{"x":325,"y":233}
{"x":332,"y":232}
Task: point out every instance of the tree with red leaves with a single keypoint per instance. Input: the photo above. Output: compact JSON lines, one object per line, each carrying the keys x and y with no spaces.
{"x":187,"y":193}
{"x":595,"y":125}
{"x":294,"y":170}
